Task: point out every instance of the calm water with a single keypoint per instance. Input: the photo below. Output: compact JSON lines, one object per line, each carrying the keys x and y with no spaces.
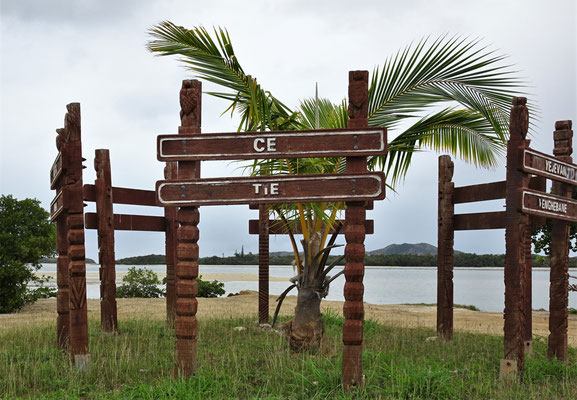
{"x":483,"y":288}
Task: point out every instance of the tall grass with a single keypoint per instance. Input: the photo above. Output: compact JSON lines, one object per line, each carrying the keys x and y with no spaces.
{"x":399,"y":363}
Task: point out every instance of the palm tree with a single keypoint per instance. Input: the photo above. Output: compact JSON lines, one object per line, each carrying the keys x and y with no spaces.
{"x":453,"y":94}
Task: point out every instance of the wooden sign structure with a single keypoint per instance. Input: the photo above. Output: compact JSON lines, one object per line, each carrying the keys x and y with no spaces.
{"x":188,"y":191}
{"x":67,"y":211}
{"x":525,"y":196}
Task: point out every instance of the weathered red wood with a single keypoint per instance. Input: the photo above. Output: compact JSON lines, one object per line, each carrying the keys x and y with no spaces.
{"x":551,"y":167}
{"x":475,"y":221}
{"x":516,"y":235}
{"x":170,"y":172}
{"x":186,"y":325}
{"x":278,"y":144}
{"x":559,"y":274}
{"x":137,"y":197}
{"x":62,"y":276}
{"x":445,"y":252}
{"x":129,"y":222}
{"x":369,"y":205}
{"x":75,"y":239}
{"x":482,"y":192}
{"x":273,"y":189}
{"x":263,"y":264}
{"x":105,"y":226}
{"x":354,"y":271}
{"x":59,"y":215}
{"x":548,"y":205}
{"x":277,"y":227}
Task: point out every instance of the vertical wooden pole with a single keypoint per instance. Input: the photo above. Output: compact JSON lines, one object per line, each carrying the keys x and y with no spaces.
{"x":515,"y":244}
{"x":355,"y":216}
{"x":62,"y":275}
{"x":187,"y":234}
{"x":105,"y":225}
{"x":528,"y":291}
{"x":76,"y":253}
{"x":170,"y":172}
{"x":445,"y":251}
{"x":263,"y":263}
{"x":559,"y":278}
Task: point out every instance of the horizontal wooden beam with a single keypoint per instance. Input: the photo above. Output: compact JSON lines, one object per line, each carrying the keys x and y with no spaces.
{"x":475,"y":221}
{"x":120,"y":195}
{"x":276,"y":227}
{"x":369,"y":205}
{"x":128,"y":222}
{"x":482,"y":192}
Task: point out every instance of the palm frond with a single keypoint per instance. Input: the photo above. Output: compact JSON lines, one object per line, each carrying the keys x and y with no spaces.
{"x":216,"y":62}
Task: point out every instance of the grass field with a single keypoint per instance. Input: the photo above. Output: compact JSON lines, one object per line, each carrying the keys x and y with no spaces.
{"x":399,"y":363}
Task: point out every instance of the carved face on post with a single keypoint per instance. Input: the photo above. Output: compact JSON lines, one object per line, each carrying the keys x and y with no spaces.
{"x":190,"y":110}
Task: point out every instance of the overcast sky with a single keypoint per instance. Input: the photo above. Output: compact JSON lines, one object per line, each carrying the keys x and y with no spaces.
{"x":93,"y":52}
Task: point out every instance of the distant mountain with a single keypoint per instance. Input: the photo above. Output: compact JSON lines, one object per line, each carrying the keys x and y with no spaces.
{"x":407,"y":248}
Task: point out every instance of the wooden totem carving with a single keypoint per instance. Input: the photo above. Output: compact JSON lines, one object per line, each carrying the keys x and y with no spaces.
{"x":517,"y":239}
{"x":559,"y":278}
{"x":446,"y":233}
{"x":104,"y":211}
{"x":263,"y":263}
{"x":187,"y":235}
{"x":355,"y":216}
{"x":62,"y":276}
{"x":170,"y":172}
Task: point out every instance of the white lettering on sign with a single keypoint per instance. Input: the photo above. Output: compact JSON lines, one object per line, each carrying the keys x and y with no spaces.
{"x":552,"y":205}
{"x":262,"y":144}
{"x":267,"y":189}
{"x":560,"y":169}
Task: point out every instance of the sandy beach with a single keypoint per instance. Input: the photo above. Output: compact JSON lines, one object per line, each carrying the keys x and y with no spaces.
{"x":246,"y":304}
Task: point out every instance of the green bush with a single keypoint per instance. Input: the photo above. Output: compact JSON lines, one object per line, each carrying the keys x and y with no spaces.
{"x":209,"y":289}
{"x":26,"y":235}
{"x":141,"y":282}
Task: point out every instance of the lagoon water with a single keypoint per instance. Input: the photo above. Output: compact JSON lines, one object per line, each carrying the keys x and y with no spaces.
{"x":481,"y":287}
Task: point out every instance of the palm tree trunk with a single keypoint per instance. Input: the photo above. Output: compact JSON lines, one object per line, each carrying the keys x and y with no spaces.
{"x":306,"y":329}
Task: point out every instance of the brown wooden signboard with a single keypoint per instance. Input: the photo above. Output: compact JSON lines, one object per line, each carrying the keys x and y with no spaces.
{"x":547,"y":205}
{"x":548,"y":166}
{"x":273,"y":189}
{"x":56,"y":171}
{"x":278,"y":144}
{"x":57,"y":206}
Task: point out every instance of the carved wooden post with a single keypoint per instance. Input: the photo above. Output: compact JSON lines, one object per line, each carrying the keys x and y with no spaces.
{"x":446,"y":233}
{"x":170,"y":172}
{"x":187,"y":234}
{"x":263,"y":263}
{"x":528,"y":291}
{"x":516,"y":236}
{"x":75,"y":239}
{"x":559,"y":279}
{"x":105,"y":222}
{"x":62,"y":276}
{"x":355,"y":215}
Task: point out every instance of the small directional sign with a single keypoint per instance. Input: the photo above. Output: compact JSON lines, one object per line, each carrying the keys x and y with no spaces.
{"x":545,"y":165}
{"x":273,"y":189}
{"x":289,"y":144}
{"x":57,"y":206}
{"x":548,"y":205}
{"x":56,"y":171}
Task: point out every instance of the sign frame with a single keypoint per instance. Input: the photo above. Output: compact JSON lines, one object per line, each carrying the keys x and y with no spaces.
{"x":545,"y":213}
{"x":263,"y":197}
{"x":359,"y":142}
{"x":527,"y":167}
